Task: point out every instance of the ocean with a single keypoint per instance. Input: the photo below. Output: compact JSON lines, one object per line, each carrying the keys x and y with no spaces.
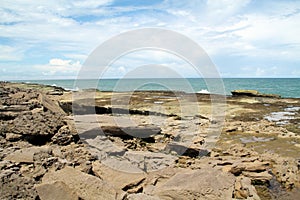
{"x":286,"y":87}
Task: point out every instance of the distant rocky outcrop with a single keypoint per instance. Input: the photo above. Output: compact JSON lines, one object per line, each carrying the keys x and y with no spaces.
{"x":252,"y":93}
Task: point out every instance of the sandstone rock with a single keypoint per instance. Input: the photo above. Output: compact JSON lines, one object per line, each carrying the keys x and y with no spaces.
{"x":142,"y":196}
{"x":64,"y":136}
{"x":86,"y":186}
{"x":198,"y":140}
{"x":102,"y":147}
{"x":149,"y":161}
{"x":129,"y":132}
{"x":14,"y":109}
{"x":130,"y":182}
{"x":192,"y":150}
{"x":26,"y":155}
{"x":45,"y":125}
{"x":56,"y":190}
{"x":258,"y":177}
{"x":31,"y":116}
{"x":287,"y":171}
{"x":13,"y":184}
{"x":56,"y":93}
{"x":156,"y":147}
{"x":256,"y":166}
{"x":49,"y":104}
{"x":13,"y":137}
{"x":4,"y":163}
{"x":203,"y":184}
{"x":231,"y":129}
{"x":75,"y":155}
{"x":38,"y":172}
{"x":122,"y":164}
{"x":237,"y":150}
{"x":244,"y":190}
{"x":157,"y":178}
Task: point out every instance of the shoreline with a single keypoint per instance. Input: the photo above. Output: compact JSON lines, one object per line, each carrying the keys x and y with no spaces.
{"x":290,"y":89}
{"x":257,"y":93}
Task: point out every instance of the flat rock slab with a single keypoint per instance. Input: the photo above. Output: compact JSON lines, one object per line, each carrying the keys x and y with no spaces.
{"x":56,"y":190}
{"x":102,"y":147}
{"x":206,"y":183}
{"x":120,"y":180}
{"x":139,"y":161}
{"x":84,"y":185}
{"x":26,"y":155}
{"x":149,"y":161}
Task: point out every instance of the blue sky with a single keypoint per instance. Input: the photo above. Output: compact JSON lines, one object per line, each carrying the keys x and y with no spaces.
{"x":244,"y":38}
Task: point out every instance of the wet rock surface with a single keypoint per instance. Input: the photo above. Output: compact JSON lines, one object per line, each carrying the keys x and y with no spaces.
{"x":47,"y":153}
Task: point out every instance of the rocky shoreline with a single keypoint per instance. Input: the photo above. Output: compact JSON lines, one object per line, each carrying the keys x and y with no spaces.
{"x":48,"y":152}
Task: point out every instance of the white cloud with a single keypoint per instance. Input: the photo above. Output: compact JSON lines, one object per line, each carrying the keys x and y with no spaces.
{"x":90,"y":4}
{"x":217,"y":11}
{"x":75,"y":56}
{"x":58,"y":66}
{"x":296,"y":73}
{"x":271,"y":29}
{"x":144,"y":58}
{"x":9,"y":53}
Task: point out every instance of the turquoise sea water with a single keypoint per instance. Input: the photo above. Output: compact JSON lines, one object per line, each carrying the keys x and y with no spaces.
{"x":286,"y":87}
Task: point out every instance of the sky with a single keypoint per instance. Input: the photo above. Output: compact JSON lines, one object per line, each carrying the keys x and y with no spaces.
{"x":243,"y":38}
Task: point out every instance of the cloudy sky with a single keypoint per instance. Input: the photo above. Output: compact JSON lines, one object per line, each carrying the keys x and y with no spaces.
{"x":244,"y":38}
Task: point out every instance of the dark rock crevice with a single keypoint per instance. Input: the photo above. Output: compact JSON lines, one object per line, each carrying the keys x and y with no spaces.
{"x":86,"y":110}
